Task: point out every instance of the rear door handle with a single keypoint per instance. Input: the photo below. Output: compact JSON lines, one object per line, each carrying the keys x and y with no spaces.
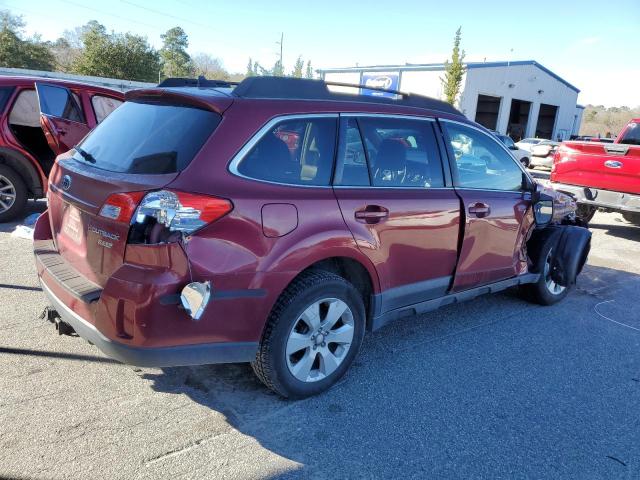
{"x":371,"y":214}
{"x":479,"y":209}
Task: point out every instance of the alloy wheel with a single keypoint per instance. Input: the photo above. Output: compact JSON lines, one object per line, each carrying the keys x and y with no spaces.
{"x":7,"y":194}
{"x":554,"y":287}
{"x":320,"y":340}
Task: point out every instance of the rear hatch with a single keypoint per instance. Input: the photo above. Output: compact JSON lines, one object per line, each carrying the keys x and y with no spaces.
{"x":613,"y":166}
{"x":142,"y":146}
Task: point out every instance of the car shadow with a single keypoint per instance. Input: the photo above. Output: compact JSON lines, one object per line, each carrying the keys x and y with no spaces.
{"x":33,"y":206}
{"x":470,"y":390}
{"x":624,"y":230}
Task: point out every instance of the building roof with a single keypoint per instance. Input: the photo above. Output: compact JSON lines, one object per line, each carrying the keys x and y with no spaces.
{"x":440,"y":66}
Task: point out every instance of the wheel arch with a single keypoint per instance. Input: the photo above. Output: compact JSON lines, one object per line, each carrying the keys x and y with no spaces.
{"x":32,"y":175}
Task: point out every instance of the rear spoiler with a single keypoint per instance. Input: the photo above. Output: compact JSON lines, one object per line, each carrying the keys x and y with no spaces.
{"x":207,"y":100}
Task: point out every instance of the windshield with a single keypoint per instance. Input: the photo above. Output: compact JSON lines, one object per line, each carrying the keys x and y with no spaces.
{"x":631,"y":136}
{"x":147,"y":138}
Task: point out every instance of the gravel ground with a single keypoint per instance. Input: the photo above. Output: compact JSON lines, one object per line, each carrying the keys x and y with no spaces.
{"x":495,"y":388}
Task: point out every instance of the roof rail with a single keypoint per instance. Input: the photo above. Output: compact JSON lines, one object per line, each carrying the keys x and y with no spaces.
{"x":306,"y":89}
{"x":196,"y":82}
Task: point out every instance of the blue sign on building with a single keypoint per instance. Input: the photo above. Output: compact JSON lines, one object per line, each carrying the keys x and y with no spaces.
{"x":387,"y":80}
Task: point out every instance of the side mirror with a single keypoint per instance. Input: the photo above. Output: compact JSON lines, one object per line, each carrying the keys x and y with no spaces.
{"x":513,"y":147}
{"x":543,"y":210}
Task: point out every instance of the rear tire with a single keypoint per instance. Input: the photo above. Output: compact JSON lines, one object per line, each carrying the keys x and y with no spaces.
{"x":13,"y":194}
{"x":545,"y":291}
{"x":312,"y":335}
{"x":585,"y":212}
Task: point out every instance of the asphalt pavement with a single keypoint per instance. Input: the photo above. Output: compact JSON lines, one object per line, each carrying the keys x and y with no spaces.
{"x":495,"y":388}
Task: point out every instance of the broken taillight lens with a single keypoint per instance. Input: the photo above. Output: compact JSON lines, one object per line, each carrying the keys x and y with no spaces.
{"x":121,"y":206}
{"x":180,"y":211}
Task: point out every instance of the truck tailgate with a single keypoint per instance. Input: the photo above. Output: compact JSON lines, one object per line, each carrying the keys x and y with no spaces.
{"x":614,"y":167}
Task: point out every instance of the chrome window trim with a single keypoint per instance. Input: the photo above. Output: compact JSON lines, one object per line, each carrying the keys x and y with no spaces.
{"x":420,"y":189}
{"x":495,"y":140}
{"x":247,"y":147}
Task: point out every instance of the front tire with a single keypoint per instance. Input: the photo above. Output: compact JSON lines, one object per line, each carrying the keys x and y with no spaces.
{"x":312,"y":335}
{"x":13,"y":194}
{"x":545,"y":291}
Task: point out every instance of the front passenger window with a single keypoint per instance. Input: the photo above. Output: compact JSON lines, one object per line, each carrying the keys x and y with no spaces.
{"x":481,"y":162}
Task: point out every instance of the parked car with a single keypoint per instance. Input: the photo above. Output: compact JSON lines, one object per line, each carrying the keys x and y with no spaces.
{"x":602,"y":175}
{"x":528,"y":143}
{"x":29,"y":141}
{"x":542,"y":154}
{"x":520,"y":154}
{"x":185,"y":230}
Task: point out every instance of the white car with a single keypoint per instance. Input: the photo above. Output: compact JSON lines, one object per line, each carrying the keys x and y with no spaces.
{"x":528,"y":143}
{"x":542,"y":154}
{"x":520,"y":153}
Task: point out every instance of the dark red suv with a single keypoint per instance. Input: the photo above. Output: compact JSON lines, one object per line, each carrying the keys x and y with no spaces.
{"x":32,"y":135}
{"x":275,"y":221}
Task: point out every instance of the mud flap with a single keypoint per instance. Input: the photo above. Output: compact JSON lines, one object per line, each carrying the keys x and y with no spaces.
{"x":570,"y":254}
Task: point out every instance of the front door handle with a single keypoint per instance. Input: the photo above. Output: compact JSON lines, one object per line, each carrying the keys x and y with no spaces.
{"x":371,"y":214}
{"x":479,"y":209}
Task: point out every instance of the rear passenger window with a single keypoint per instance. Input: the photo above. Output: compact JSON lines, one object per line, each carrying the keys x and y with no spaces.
{"x":352,"y":162}
{"x":298,"y":152}
{"x":397,"y":152}
{"x":103,"y":106}
{"x":59,"y":102}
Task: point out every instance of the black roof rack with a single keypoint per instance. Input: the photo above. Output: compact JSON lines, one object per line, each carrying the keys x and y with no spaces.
{"x":306,"y":89}
{"x":196,"y":82}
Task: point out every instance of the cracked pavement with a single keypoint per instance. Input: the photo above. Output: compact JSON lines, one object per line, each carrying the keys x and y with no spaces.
{"x":495,"y":388}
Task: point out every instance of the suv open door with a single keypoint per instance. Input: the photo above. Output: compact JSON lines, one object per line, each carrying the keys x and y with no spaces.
{"x":61,"y":117}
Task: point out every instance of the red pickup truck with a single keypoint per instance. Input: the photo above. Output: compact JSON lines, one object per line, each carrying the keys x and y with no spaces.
{"x":600,"y":175}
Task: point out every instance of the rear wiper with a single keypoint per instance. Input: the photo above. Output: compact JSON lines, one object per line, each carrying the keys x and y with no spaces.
{"x":87,"y":156}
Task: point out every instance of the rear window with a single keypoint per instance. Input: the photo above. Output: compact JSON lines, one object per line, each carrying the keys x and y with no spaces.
{"x":631,"y":135}
{"x":148,"y":138}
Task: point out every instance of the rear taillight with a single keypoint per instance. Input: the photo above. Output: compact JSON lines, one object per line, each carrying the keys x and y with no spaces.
{"x":121,"y":206}
{"x":162,"y":216}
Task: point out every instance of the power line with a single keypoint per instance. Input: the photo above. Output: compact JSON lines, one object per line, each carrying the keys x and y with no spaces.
{"x":158,"y":12}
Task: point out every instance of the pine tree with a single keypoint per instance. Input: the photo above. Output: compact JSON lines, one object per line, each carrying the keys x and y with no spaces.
{"x":309,"y":72}
{"x":250,"y":71}
{"x":176,"y":62}
{"x":454,"y":71}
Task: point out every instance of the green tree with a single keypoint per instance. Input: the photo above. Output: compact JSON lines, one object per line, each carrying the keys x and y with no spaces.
{"x":19,"y":52}
{"x":309,"y":72}
{"x":454,"y":71}
{"x":176,"y":62}
{"x":250,"y":71}
{"x":297,"y":68}
{"x":116,"y":55}
{"x":278,"y":69}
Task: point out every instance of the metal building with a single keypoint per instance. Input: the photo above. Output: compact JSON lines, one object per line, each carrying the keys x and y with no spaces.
{"x":519,"y":98}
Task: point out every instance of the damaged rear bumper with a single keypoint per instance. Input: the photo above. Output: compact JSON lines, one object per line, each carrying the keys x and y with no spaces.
{"x":199,"y":354}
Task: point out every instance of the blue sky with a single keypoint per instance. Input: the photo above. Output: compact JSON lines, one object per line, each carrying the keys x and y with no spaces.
{"x":593,"y":45}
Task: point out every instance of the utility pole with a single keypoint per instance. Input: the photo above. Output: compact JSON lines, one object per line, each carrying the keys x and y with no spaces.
{"x":281,"y":42}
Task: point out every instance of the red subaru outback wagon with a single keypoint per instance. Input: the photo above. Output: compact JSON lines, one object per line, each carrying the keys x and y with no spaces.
{"x":275,"y":221}
{"x":33,"y":132}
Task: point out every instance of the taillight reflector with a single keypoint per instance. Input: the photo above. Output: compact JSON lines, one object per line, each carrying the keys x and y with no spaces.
{"x":121,"y":206}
